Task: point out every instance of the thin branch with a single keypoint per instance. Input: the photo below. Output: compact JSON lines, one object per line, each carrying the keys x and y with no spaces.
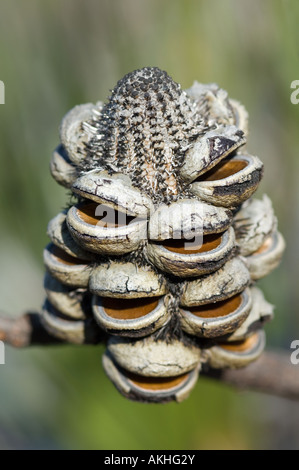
{"x":26,"y":330}
{"x":273,"y":373}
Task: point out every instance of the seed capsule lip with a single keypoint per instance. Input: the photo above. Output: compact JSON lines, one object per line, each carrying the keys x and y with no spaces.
{"x":66,"y":269}
{"x":92,"y":234}
{"x":131,"y":317}
{"x":233,"y":188}
{"x":122,"y":380}
{"x":223,"y":321}
{"x":209,"y":150}
{"x":191,"y":264}
{"x":237,"y":354}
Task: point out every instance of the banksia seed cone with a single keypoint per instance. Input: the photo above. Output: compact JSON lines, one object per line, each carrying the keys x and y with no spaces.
{"x":160,"y":255}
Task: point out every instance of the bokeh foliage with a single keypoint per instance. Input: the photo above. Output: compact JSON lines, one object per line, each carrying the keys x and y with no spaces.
{"x":56,"y":54}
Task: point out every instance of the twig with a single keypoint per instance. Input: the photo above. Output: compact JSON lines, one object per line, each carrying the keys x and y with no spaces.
{"x":26,"y":330}
{"x":272,"y":373}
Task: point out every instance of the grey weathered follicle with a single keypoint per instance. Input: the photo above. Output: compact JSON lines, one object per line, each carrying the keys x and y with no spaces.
{"x":226,"y":282}
{"x":253,"y":224}
{"x":214,"y":320}
{"x":194,"y":258}
{"x":104,"y":235}
{"x":68,"y":270}
{"x":126,"y":281}
{"x":115,"y":191}
{"x":73,"y":134}
{"x":69,"y":301}
{"x":67,"y":329}
{"x":154,"y":358}
{"x":260,"y":313}
{"x":150,"y":389}
{"x":231,"y":182}
{"x":59,"y":234}
{"x":187,"y":217}
{"x":209,"y":150}
{"x":213,"y":102}
{"x":238,"y":354}
{"x":267,"y":258}
{"x":61,"y":168}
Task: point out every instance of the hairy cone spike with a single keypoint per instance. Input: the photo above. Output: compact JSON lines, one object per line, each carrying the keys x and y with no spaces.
{"x":144,"y":130}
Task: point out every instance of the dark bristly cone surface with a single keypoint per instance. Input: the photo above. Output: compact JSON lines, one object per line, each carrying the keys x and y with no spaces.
{"x":160,"y":254}
{"x":144,"y":131}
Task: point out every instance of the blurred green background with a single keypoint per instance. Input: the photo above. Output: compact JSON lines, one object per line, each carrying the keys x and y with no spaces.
{"x":56,"y":54}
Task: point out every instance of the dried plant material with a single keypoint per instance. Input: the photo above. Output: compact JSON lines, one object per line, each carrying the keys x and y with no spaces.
{"x":159,"y":251}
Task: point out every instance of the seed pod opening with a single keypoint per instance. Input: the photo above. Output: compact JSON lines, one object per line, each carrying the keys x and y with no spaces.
{"x":267,"y":258}
{"x":230,"y":182}
{"x":237,"y":354}
{"x":189,"y":258}
{"x":103,"y":230}
{"x":149,"y":389}
{"x":209,"y":150}
{"x":126,"y":281}
{"x":65,"y":268}
{"x":131,"y":317}
{"x":217,"y":319}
